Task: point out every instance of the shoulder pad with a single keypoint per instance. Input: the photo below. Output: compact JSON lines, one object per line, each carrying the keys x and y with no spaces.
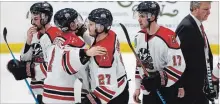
{"x":73,"y":40}
{"x":52,"y":33}
{"x":168,"y":36}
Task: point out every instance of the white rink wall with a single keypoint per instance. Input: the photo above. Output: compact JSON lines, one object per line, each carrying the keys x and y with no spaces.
{"x":12,"y":91}
{"x":14,"y":17}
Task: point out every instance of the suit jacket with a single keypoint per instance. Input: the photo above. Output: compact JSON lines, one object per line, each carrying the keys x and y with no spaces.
{"x":192,"y":46}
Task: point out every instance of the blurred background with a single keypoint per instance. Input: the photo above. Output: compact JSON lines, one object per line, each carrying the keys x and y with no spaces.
{"x":16,"y":17}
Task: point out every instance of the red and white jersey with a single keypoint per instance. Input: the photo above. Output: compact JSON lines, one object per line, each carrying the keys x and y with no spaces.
{"x":107,"y":72}
{"x":164,"y":50}
{"x":63,"y":65}
{"x":36,"y":53}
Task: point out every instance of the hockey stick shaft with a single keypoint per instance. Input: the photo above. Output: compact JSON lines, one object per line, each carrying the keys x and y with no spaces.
{"x":209,"y":75}
{"x":138,"y":59}
{"x":133,"y":51}
{"x":209,"y":78}
{"x":4,"y":35}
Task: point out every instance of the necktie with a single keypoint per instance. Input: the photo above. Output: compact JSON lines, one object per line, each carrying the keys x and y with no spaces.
{"x":203,"y":34}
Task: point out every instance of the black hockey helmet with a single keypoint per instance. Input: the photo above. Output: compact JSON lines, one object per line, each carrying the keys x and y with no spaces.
{"x":149,"y":7}
{"x":44,"y":9}
{"x":64,"y":17}
{"x":101,"y":16}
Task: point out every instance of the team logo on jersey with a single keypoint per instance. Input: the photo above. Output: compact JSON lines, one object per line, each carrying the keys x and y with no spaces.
{"x":173,"y":39}
{"x":146,"y":59}
{"x":37,"y":53}
{"x":59,"y":42}
{"x":104,"y":57}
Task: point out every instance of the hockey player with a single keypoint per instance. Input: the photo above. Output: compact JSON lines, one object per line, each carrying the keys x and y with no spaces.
{"x":64,"y":62}
{"x":107,"y":72}
{"x":160,"y":54}
{"x":39,"y":37}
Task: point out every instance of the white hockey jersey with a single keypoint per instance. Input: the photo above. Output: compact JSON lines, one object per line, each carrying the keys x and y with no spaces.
{"x":64,"y":67}
{"x":36,"y":53}
{"x":107,"y":72}
{"x":165,"y":54}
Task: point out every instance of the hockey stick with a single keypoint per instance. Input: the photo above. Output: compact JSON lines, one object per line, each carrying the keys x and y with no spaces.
{"x":130,"y":45}
{"x":4,"y":35}
{"x":138,"y":59}
{"x":209,"y":78}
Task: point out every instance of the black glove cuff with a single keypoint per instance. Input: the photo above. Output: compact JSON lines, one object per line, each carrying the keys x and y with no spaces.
{"x":26,"y":48}
{"x":83,"y":57}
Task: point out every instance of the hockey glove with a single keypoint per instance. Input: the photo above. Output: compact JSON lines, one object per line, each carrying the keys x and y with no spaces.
{"x":91,"y":99}
{"x":21,"y":70}
{"x":155,"y":80}
{"x":81,"y":30}
{"x":211,"y":94}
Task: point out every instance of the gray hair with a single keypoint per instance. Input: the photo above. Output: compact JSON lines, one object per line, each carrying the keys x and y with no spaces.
{"x":195,"y":4}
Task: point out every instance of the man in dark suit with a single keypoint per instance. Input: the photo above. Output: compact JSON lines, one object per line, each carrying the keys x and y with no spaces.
{"x":197,"y":54}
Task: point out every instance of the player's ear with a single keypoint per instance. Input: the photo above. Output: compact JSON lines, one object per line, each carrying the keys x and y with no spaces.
{"x":153,"y":17}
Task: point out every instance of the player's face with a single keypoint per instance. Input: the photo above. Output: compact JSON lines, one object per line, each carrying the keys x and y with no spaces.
{"x":78,"y":22}
{"x":142,"y":19}
{"x":35,"y":20}
{"x":73,"y":26}
{"x":204,"y":11}
{"x":91,"y":27}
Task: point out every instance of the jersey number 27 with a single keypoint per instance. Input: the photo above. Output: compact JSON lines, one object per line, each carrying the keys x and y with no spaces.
{"x":104,"y":79}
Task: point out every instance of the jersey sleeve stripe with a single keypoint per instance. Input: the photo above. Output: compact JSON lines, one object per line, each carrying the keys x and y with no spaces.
{"x":101,"y":96}
{"x":137,"y":72}
{"x":60,"y":93}
{"x":104,"y":92}
{"x":58,"y":97}
{"x":171,"y":77}
{"x":43,"y":69}
{"x":175,"y":70}
{"x":63,"y":65}
{"x":138,"y":76}
{"x":170,"y":72}
{"x":107,"y":90}
{"x":36,"y":84}
{"x":58,"y":88}
{"x":66,"y":64}
{"x":51,"y":60}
